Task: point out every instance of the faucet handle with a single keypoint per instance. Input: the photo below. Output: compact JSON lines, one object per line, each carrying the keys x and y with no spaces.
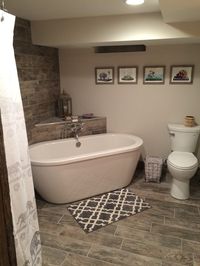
{"x":68,"y":119}
{"x":75,"y":119}
{"x":82,"y":125}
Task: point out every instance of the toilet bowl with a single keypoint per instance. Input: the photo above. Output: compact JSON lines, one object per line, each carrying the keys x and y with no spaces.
{"x":182,"y":166}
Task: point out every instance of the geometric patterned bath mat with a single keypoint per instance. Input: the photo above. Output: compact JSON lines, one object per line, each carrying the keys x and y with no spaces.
{"x":96,"y":212}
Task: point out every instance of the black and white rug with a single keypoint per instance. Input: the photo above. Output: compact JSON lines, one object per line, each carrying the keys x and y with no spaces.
{"x":96,"y":212}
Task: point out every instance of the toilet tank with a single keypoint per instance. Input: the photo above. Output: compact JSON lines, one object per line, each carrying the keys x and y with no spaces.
{"x":183,"y":138}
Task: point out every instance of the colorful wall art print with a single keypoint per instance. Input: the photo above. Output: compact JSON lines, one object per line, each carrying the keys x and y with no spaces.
{"x":104,"y":75}
{"x":127,"y":75}
{"x":154,"y":75}
{"x":182,"y":74}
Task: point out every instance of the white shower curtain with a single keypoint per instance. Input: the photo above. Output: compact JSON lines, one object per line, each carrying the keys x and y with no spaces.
{"x":25,"y":222}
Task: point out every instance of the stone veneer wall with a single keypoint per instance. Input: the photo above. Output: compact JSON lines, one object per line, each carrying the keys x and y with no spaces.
{"x":51,"y":131}
{"x":38,"y":71}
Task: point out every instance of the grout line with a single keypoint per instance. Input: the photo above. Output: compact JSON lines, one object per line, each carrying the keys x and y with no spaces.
{"x":114,"y":234}
{"x":89,"y":250}
{"x":60,"y":219}
{"x":57,"y":249}
{"x":121,"y":243}
{"x":63,"y":261}
{"x":164,"y":221}
{"x":193,"y":259}
{"x":150,"y":229}
{"x":181,"y":244}
{"x":174,"y":216}
{"x":81,"y":255}
{"x":157,"y":233}
{"x":98,"y":260}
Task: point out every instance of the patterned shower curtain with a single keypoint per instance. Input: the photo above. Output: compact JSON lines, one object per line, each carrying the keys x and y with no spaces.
{"x":23,"y":207}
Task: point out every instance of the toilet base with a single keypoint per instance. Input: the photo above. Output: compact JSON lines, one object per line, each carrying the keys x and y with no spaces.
{"x":179,"y":189}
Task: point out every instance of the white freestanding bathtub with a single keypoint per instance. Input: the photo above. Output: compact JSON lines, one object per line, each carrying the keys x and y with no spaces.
{"x":63,"y":173}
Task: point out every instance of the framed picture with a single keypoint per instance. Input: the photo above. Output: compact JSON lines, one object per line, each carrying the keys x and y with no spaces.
{"x":182,"y":74}
{"x":154,"y":75}
{"x":127,"y":74}
{"x":104,"y":75}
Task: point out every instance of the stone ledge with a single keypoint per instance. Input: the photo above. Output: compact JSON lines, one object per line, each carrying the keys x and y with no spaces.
{"x":51,"y":128}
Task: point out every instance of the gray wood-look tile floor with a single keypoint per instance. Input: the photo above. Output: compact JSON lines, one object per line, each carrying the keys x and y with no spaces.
{"x":167,"y":234}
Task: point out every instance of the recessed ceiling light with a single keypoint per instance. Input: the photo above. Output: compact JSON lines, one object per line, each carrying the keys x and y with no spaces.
{"x":134,"y":2}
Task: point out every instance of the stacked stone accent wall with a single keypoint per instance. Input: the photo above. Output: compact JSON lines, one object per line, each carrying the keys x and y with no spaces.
{"x":49,"y":131}
{"x":38,"y":71}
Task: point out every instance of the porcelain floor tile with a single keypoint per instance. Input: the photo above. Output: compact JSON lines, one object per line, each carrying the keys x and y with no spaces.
{"x":77,"y":260}
{"x":158,"y":251}
{"x":176,"y":232}
{"x":121,"y":257}
{"x":168,"y":234}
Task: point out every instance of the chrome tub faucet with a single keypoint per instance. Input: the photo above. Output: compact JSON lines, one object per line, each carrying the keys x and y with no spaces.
{"x":72,"y":128}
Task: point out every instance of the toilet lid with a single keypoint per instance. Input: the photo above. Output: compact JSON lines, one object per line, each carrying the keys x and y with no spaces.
{"x":182,"y":160}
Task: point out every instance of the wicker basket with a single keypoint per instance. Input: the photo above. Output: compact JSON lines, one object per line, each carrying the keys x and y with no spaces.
{"x":189,"y":121}
{"x":153,"y":169}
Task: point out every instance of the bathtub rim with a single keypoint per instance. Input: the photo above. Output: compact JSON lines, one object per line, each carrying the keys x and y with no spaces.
{"x":87,"y":156}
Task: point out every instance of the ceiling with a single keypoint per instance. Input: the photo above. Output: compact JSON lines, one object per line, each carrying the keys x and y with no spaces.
{"x":166,"y":20}
{"x":60,"y":9}
{"x":172,"y":10}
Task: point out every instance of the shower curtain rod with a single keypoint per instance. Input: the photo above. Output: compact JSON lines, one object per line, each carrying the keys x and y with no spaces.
{"x":2,"y":7}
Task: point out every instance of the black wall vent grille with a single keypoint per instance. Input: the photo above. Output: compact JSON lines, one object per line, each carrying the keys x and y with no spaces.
{"x":120,"y":49}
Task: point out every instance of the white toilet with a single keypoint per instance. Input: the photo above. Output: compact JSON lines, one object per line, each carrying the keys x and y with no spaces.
{"x":182,"y":164}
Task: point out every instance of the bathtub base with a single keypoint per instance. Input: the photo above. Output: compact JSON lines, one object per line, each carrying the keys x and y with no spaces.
{"x":76,"y":181}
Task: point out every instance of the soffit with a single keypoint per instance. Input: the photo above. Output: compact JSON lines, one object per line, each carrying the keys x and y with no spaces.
{"x":180,"y":10}
{"x":61,"y":9}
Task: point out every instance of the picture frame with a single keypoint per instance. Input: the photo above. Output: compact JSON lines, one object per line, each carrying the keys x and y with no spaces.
{"x":181,"y":74}
{"x":154,"y":75}
{"x":104,"y":75}
{"x":127,"y":74}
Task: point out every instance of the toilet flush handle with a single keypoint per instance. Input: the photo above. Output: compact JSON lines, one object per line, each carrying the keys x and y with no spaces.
{"x":172,"y":134}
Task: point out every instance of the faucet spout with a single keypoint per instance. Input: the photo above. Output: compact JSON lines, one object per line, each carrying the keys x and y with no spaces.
{"x":78,"y":143}
{"x":73,"y":126}
{"x":76,"y":136}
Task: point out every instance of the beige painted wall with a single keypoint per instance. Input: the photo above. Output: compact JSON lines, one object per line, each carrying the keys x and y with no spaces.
{"x":143,"y":110}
